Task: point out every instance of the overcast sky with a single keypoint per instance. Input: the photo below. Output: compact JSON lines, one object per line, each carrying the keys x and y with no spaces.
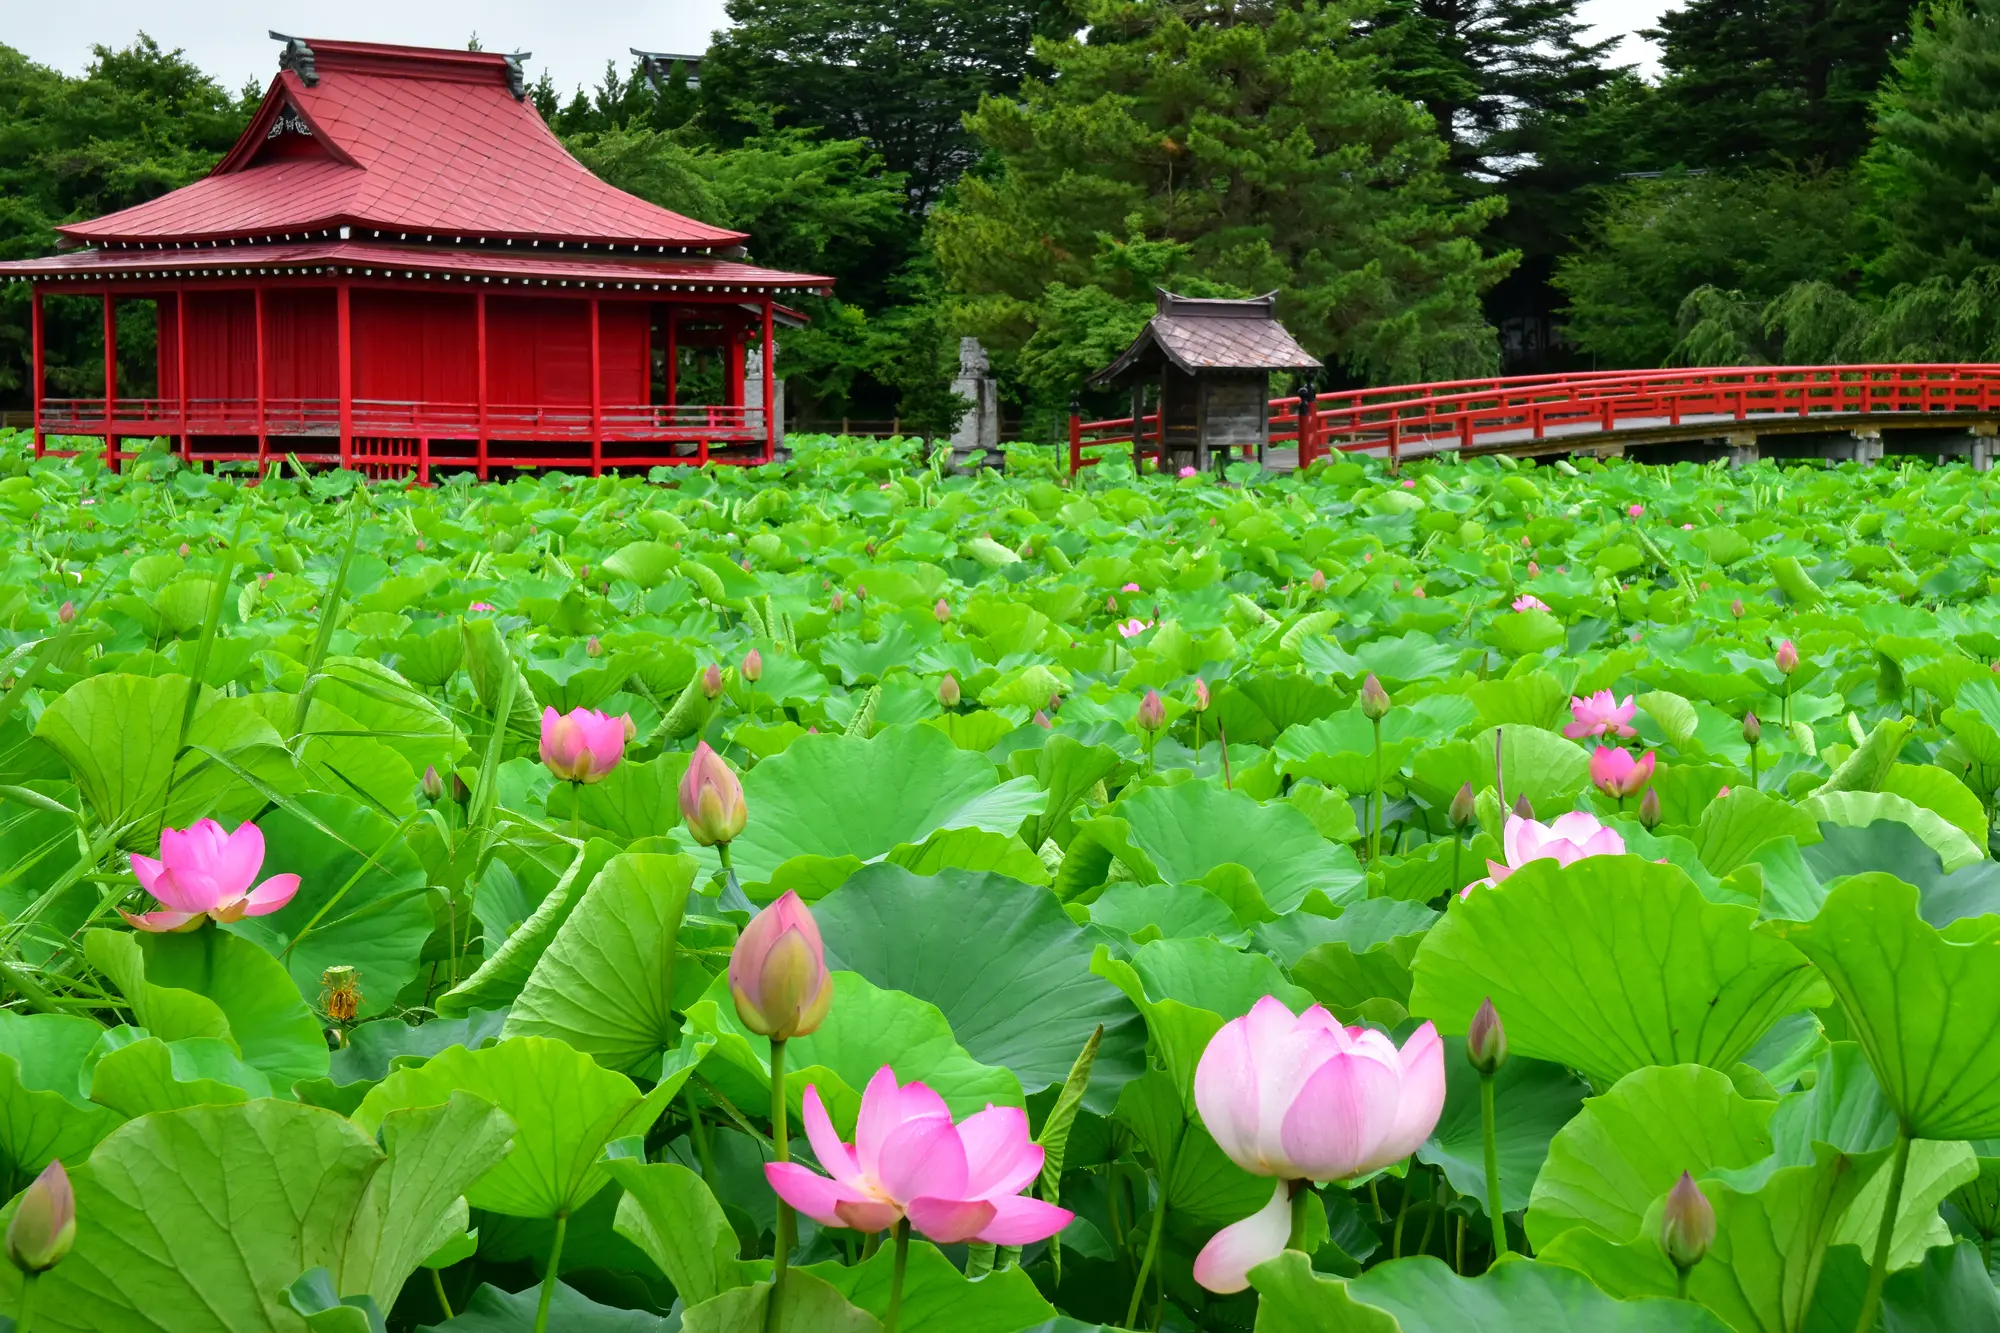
{"x":569,"y":38}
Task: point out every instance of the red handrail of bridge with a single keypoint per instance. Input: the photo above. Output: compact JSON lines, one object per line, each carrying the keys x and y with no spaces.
{"x":1519,"y":410}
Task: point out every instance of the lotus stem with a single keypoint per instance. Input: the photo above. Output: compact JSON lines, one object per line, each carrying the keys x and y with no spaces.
{"x":549,"y":1278}
{"x":1152,"y":1248}
{"x":782,"y":1244}
{"x":1681,"y":1282}
{"x":728,"y":870}
{"x":896,"y":1277}
{"x":27,"y":1312}
{"x":1375,"y":801}
{"x":1489,"y":1127}
{"x":437,"y":1285}
{"x":1436,"y":1202}
{"x":1402,"y":1211}
{"x":1878,"y":1268}
{"x":575,"y":812}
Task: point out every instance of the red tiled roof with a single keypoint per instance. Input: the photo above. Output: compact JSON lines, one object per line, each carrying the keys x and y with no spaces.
{"x":363,"y":259}
{"x":409,"y":141}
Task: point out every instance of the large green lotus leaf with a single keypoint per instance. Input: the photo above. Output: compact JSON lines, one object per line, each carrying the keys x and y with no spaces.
{"x":811,"y":1305}
{"x":1533,"y":1100}
{"x":1950,"y":1289}
{"x":200,"y":1218}
{"x":386,"y":705}
{"x":1415,"y":656}
{"x":43,"y":1114}
{"x":1253,"y":709}
{"x":1189,"y":829}
{"x":118,"y":733}
{"x":1940,"y":792}
{"x":636,"y":800}
{"x":1924,"y":1005}
{"x":500,"y":977}
{"x":492,"y":1310}
{"x":1541,"y":765}
{"x":1972,"y":890}
{"x":1773,"y":1227}
{"x":1066,"y":769}
{"x":866,"y":1028}
{"x":937,"y":1297}
{"x":1422,"y":1295}
{"x":1610,"y":965}
{"x":1628,"y":1147}
{"x":1858,"y":809}
{"x":210,"y":983}
{"x":669,"y":1212}
{"x":606,"y":985}
{"x":1004,"y":963}
{"x":363,"y":899}
{"x":565,"y":1107}
{"x":836,"y":796}
{"x":1734,"y":827}
{"x":1177,"y":911}
{"x":152,"y":1075}
{"x":958,"y":849}
{"x":644,"y":563}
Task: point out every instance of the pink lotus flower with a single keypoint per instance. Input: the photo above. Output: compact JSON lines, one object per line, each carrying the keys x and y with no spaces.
{"x":1304,"y":1098}
{"x":1788,"y":657}
{"x":583,"y":744}
{"x":1527,"y":601}
{"x":1132,"y":628}
{"x":777,"y":972}
{"x":203,"y":871}
{"x":1600,"y":714}
{"x":1409,"y":485}
{"x":1534,"y":570}
{"x":711,"y":798}
{"x":1130,"y":587}
{"x":1565,"y":840}
{"x":1187,"y":472}
{"x":477,"y":607}
{"x":1617,"y":774}
{"x":954,"y":1183}
{"x":1633,"y":511}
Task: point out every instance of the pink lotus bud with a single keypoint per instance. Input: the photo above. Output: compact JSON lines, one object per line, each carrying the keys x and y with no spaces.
{"x":1788,"y":657}
{"x":712,"y":798}
{"x":948,"y":691}
{"x":1418,"y":591}
{"x":1649,"y":809}
{"x":1055,"y":702}
{"x":1318,"y":581}
{"x":1687,"y":1224}
{"x":1534,"y":570}
{"x":68,"y":613}
{"x":631,"y":729}
{"x":582,"y":572}
{"x":753,"y":666}
{"x":433,"y":785}
{"x":583,"y":744}
{"x":44,"y":1225}
{"x":1753,"y":731}
{"x":777,"y":974}
{"x":860,"y":593}
{"x":1041,"y":720}
{"x":593,"y":647}
{"x":1374,"y":699}
{"x":1152,"y":712}
{"x":1617,"y":774}
{"x":420,"y":545}
{"x":184,"y":550}
{"x":1633,"y":511}
{"x":1486,"y":1039}
{"x":1525,"y":543}
{"x":711,"y":681}
{"x":836,"y":605}
{"x":1462,"y":808}
{"x":942,"y":611}
{"x":1111,"y":606}
{"x":202,"y":871}
{"x":1200,"y":695}
{"x":1736,"y":608}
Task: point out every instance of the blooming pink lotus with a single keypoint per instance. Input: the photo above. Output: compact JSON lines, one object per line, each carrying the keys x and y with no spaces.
{"x":1601,"y":714}
{"x":1617,"y":774}
{"x":1187,"y":472}
{"x":583,"y":744}
{"x":478,"y":607}
{"x":954,"y":1182}
{"x":1566,"y":839}
{"x":1131,"y":629}
{"x":1130,"y":587}
{"x":1304,"y":1098}
{"x":203,"y":871}
{"x":1527,"y":601}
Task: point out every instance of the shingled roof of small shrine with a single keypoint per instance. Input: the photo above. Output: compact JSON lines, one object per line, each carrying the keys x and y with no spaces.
{"x":1197,"y":334}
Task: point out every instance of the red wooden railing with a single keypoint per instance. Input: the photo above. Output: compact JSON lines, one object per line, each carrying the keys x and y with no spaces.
{"x":1498,"y":413}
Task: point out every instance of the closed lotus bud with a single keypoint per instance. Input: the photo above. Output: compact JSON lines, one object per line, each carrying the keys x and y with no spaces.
{"x":184,"y":550}
{"x":1649,"y":809}
{"x":777,"y":972}
{"x":1736,"y":608}
{"x":593,"y":647}
{"x":942,"y":611}
{"x":420,"y":544}
{"x":1788,"y":657}
{"x":44,"y":1225}
{"x":1753,"y":730}
{"x":1534,"y":570}
{"x":631,"y":729}
{"x":1374,"y":699}
{"x":1200,"y":695}
{"x":1041,"y":720}
{"x":1486,"y":1039}
{"x":711,"y":681}
{"x":433,"y":784}
{"x":1318,"y":581}
{"x":1152,"y":712}
{"x":860,"y":593}
{"x":68,"y":613}
{"x":583,"y":571}
{"x":1111,"y":605}
{"x":948,"y":691}
{"x":459,"y":791}
{"x":836,"y":605}
{"x":1462,"y":807}
{"x":1687,"y":1224}
{"x":712,"y":798}
{"x":1524,"y":807}
{"x":753,"y":666}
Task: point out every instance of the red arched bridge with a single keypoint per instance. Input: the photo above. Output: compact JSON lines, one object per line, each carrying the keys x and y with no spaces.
{"x":1730,"y":408}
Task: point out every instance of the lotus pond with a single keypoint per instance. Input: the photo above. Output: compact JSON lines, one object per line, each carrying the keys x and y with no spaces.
{"x":978,"y":905}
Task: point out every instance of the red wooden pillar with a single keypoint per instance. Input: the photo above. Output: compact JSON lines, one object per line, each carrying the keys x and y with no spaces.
{"x":673,"y":357}
{"x":479,"y":350}
{"x":343,"y":308}
{"x":770,"y":387}
{"x":596,"y":393}
{"x":263,"y":426}
{"x":181,"y":368}
{"x":35,"y":357}
{"x":110,"y":381}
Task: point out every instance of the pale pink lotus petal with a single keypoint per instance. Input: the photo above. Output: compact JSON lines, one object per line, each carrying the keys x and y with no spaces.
{"x":1341,"y":1116}
{"x":813,"y":1194}
{"x":1522,"y":840}
{"x":1604,"y":842}
{"x":1577,"y":826}
{"x":1019,"y":1220}
{"x":1224,"y":1264}
{"x":834,"y":1155}
{"x":866,"y":1214}
{"x":149,"y":872}
{"x":271,"y":895}
{"x":1225,"y":1091}
{"x":923,"y":1157}
{"x":917,"y":1099}
{"x":158,"y":923}
{"x":238,"y":858}
{"x":1422,"y":1099}
{"x":949,"y":1221}
{"x":881,"y":1104}
{"x":1000,"y":1157}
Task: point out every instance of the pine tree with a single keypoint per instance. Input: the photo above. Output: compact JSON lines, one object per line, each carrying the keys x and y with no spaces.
{"x":1247,"y":150}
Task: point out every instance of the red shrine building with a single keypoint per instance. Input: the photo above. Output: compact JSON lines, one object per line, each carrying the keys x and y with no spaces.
{"x":398,"y":268}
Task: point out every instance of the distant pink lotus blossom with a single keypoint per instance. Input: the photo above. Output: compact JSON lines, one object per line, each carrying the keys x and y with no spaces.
{"x":1617,"y":774}
{"x":1409,"y":485}
{"x":477,"y":607}
{"x":1633,"y":511}
{"x":1188,"y":472}
{"x":1687,"y":527}
{"x":203,"y":871}
{"x":1132,"y":628}
{"x":1417,"y":591}
{"x":1600,"y":714}
{"x":1527,"y":601}
{"x":1534,"y":570}
{"x":1130,"y":587}
{"x":1566,"y":839}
